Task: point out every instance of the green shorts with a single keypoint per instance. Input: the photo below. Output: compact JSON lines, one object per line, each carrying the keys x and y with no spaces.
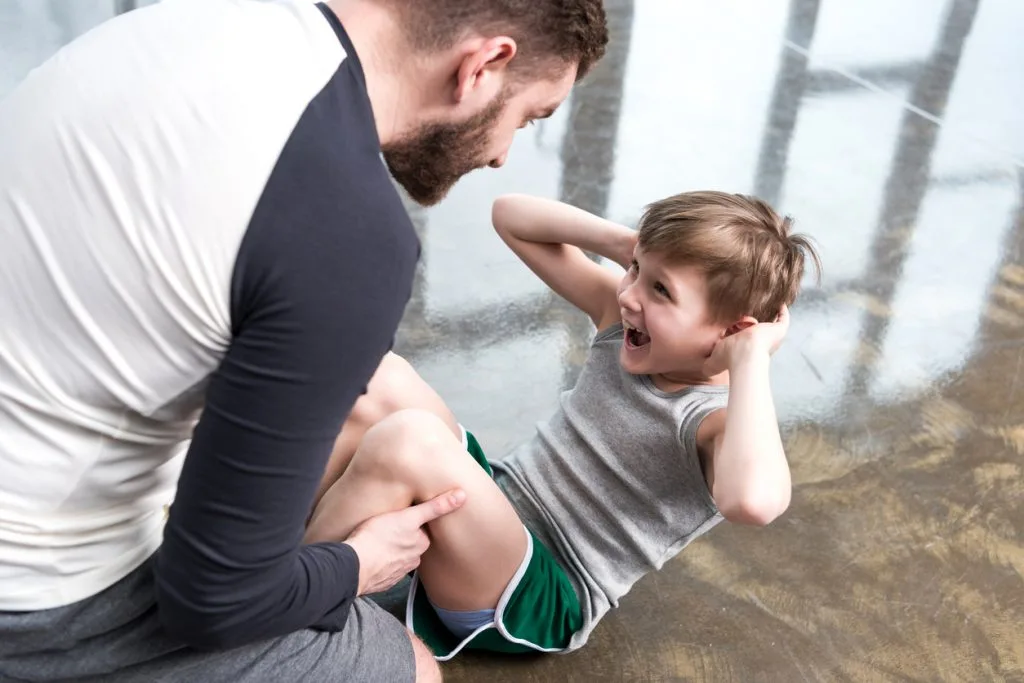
{"x":538,"y":612}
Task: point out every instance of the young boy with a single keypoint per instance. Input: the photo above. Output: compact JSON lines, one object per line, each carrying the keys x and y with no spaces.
{"x":669,"y":429}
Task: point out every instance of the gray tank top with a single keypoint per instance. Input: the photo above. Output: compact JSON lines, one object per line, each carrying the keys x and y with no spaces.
{"x":612,"y":483}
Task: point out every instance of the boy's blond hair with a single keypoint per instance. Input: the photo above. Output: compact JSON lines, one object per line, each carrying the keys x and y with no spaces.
{"x":752,"y":262}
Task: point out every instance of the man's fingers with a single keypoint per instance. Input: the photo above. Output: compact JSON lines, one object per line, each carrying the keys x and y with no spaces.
{"x":422,"y":543}
{"x":438,"y":506}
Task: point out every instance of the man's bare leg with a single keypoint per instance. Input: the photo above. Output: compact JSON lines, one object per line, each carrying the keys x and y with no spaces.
{"x":427,"y":669}
{"x":395,"y":386}
{"x":412,"y":456}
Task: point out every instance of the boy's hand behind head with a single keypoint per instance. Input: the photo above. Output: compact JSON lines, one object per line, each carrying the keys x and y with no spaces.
{"x":750,"y":340}
{"x":626,"y":248}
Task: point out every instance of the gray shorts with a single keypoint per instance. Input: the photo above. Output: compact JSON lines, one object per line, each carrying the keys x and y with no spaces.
{"x":115,"y":637}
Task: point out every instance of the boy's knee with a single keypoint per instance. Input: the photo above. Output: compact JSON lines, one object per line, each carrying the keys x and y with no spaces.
{"x":408,"y":434}
{"x":427,"y":669}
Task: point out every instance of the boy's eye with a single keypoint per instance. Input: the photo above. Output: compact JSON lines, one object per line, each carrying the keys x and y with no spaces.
{"x":634,"y":266}
{"x":660,"y":289}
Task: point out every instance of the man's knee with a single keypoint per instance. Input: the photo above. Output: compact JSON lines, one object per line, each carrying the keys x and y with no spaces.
{"x":427,"y":669}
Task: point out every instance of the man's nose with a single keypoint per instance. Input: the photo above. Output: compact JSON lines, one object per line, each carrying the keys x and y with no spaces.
{"x":498,"y":162}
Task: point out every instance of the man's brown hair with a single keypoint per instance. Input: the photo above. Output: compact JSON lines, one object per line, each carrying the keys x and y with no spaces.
{"x":752,"y":260}
{"x":549,"y":33}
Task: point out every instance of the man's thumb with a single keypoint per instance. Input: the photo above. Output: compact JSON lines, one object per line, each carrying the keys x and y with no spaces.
{"x":439,"y":506}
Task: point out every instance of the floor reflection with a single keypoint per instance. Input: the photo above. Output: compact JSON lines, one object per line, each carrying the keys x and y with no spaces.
{"x":908,"y":181}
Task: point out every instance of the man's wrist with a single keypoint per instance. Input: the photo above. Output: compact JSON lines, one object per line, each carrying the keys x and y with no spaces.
{"x":353,"y":543}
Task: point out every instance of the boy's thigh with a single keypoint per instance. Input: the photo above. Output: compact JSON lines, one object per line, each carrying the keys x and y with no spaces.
{"x":476,"y":550}
{"x":537,"y":606}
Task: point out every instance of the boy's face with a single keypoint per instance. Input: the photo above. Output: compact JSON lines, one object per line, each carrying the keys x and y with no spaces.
{"x":665,"y":314}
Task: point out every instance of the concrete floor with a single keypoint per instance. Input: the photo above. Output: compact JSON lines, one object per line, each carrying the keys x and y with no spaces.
{"x":892,"y":132}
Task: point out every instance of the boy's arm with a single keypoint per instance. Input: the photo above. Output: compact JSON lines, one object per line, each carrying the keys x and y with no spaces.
{"x":550,"y":237}
{"x":745,"y":464}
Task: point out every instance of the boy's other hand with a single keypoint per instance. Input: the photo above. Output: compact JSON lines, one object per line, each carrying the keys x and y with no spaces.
{"x":389,"y":546}
{"x":759,"y":339}
{"x":773,"y":333}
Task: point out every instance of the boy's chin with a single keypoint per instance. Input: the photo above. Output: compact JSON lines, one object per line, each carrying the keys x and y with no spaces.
{"x":627,"y":359}
{"x":633,"y":367}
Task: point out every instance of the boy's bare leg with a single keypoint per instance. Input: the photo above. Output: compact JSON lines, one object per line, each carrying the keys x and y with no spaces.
{"x":412,"y":456}
{"x":394,"y":386}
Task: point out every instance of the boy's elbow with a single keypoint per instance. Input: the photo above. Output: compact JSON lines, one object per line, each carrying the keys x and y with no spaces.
{"x":502,"y":210}
{"x":499,"y":210}
{"x":755,"y":508}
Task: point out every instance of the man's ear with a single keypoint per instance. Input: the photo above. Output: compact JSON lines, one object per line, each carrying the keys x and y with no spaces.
{"x":483,"y":67}
{"x":740,"y":325}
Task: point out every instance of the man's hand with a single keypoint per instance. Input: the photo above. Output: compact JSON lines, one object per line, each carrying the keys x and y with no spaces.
{"x":389,"y":546}
{"x":760,"y":338}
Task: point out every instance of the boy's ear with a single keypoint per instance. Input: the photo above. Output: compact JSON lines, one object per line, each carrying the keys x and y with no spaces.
{"x":740,"y":325}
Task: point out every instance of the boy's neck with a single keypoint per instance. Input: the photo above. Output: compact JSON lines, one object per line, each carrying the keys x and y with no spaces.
{"x":669,"y":382}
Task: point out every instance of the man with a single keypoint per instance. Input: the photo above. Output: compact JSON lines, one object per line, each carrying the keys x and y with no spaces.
{"x":195,"y":217}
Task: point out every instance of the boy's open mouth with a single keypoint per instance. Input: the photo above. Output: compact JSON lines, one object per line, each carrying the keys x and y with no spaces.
{"x":635,"y":338}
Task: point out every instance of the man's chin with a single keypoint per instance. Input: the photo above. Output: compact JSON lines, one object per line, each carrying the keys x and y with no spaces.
{"x":426,"y":197}
{"x":428,"y":194}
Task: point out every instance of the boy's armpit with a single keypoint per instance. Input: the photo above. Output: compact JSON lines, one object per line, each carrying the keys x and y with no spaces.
{"x":709,"y":439}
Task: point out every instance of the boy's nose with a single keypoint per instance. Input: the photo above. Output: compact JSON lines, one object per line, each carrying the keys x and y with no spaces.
{"x":627,"y":298}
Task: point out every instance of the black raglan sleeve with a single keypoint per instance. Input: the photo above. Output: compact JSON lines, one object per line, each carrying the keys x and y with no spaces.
{"x":320,"y":282}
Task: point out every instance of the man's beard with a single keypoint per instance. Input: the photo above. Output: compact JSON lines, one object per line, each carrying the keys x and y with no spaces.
{"x":429,"y":161}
